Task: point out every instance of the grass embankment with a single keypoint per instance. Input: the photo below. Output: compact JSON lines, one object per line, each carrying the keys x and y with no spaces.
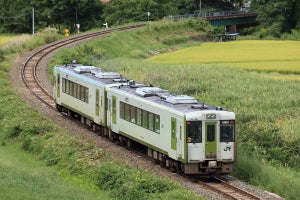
{"x":23,"y":177}
{"x":81,"y":169}
{"x":267,"y":109}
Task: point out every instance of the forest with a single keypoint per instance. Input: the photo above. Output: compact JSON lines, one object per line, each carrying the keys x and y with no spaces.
{"x":18,"y":16}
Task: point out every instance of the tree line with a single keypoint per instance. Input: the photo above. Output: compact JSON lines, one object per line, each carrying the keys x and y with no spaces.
{"x":275,"y":16}
{"x":16,"y":15}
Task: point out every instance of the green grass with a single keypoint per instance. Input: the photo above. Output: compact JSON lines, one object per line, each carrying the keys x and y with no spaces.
{"x":258,"y":55}
{"x":23,"y":177}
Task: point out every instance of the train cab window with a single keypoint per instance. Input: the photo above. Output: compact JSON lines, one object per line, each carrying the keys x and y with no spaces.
{"x":194,"y":131}
{"x":227,"y":130}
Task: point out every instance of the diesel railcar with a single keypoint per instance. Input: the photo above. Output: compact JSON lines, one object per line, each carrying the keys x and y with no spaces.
{"x":180,"y":132}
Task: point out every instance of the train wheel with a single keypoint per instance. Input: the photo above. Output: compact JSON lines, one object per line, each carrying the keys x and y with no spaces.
{"x":128,"y":143}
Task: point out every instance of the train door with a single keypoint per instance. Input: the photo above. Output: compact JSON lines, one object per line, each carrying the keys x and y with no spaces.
{"x":180,"y":141}
{"x":114,"y":110}
{"x":176,"y":136}
{"x":58,"y":85}
{"x":111,"y":111}
{"x":173,"y":133}
{"x":211,"y":140}
{"x":97,"y":106}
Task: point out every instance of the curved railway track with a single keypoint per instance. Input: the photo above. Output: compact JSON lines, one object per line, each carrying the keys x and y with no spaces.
{"x":225,"y":189}
{"x":31,"y":80}
{"x":29,"y":68}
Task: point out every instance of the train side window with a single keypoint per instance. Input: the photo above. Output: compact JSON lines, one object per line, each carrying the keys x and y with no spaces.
{"x":68,"y":89}
{"x":151,"y":120}
{"x":157,"y":123}
{"x":145,"y":119}
{"x":139,"y":117}
{"x":127,"y":112}
{"x":63,"y":85}
{"x":86,"y":99}
{"x":122,"y":110}
{"x":194,"y":131}
{"x":133,"y":114}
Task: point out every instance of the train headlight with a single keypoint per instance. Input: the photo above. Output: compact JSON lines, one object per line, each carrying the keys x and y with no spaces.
{"x":212,"y":164}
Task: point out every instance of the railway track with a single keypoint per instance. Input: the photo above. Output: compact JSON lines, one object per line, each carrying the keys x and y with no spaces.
{"x":31,"y":80}
{"x":225,"y":189}
{"x":29,"y":68}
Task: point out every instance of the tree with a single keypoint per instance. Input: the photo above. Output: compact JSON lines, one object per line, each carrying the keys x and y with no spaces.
{"x":276,"y":16}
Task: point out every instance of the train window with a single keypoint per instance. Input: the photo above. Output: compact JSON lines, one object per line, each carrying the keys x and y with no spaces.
{"x":194,"y":131}
{"x":127,"y":112}
{"x":145,"y":119}
{"x":63,"y":85}
{"x":157,"y":123}
{"x":78,"y":91}
{"x":151,"y":120}
{"x":122,"y":110}
{"x":86,"y":95}
{"x":133,"y":114}
{"x":210,"y":132}
{"x":67,"y":86}
{"x":73,"y":89}
{"x":227,"y":132}
{"x":139,"y":117}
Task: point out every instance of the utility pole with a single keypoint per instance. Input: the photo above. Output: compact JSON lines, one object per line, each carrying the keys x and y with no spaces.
{"x":32,"y":20}
{"x":200,"y":6}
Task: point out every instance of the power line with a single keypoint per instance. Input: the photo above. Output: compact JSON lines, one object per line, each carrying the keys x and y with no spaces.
{"x":29,"y":13}
{"x":16,"y":16}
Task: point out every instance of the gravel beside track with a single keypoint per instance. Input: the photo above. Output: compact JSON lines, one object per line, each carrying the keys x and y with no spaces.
{"x":129,"y":157}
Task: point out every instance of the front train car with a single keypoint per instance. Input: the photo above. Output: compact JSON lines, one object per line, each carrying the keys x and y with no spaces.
{"x":181,"y":133}
{"x":210,"y":142}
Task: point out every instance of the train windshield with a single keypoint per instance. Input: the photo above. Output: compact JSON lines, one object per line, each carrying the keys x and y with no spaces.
{"x":227,"y":130}
{"x":194,"y":131}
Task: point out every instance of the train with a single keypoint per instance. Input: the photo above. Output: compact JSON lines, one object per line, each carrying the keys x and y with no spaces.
{"x":178,"y":131}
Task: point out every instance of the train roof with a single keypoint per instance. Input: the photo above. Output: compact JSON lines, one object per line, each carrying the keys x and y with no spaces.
{"x":182,"y":103}
{"x":92,"y":73}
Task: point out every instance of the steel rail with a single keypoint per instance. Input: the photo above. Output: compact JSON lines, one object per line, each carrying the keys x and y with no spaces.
{"x":226,"y":189}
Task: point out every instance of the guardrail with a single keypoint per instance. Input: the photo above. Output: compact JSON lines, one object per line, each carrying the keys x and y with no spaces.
{"x":208,"y":15}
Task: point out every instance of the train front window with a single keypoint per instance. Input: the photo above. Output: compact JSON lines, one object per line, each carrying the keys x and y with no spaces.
{"x":194,"y":131}
{"x":227,"y":131}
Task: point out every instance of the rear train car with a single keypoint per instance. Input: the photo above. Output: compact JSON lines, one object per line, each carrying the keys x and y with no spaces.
{"x":178,"y":131}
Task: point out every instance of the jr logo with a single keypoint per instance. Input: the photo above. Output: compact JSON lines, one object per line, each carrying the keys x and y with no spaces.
{"x":227,"y":149}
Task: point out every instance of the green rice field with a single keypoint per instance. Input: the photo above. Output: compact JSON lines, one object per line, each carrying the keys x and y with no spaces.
{"x":5,"y":38}
{"x":258,"y":55}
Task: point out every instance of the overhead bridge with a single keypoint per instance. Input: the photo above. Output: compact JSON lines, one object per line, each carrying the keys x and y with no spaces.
{"x":225,"y":18}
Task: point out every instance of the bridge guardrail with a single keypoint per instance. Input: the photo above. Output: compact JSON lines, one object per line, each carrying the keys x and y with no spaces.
{"x":207,"y":15}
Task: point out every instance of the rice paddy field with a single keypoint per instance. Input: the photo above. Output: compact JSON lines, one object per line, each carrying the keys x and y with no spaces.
{"x":5,"y":38}
{"x":259,"y":55}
